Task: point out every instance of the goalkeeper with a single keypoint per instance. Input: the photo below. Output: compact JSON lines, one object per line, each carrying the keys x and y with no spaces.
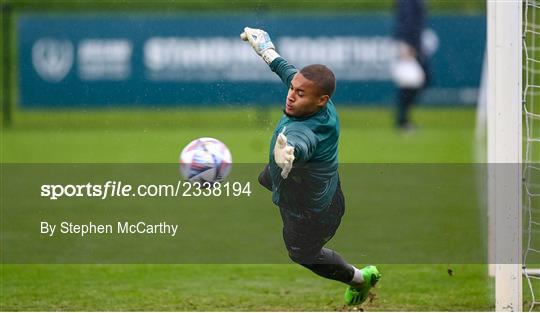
{"x":302,"y":172}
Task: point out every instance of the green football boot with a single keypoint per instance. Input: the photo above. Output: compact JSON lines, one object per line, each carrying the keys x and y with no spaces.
{"x":357,"y":295}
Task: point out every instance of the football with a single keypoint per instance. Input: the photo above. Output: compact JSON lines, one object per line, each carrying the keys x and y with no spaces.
{"x":205,"y":160}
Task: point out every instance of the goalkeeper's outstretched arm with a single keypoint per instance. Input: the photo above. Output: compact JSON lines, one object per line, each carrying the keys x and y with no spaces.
{"x":298,"y":143}
{"x":263,"y":46}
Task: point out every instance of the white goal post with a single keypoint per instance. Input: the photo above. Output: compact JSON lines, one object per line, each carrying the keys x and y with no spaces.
{"x":504,"y":119}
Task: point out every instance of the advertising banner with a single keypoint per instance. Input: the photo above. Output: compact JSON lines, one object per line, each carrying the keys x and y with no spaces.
{"x":141,"y":59}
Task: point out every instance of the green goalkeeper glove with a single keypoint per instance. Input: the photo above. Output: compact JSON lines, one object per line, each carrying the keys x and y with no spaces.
{"x":261,"y":43}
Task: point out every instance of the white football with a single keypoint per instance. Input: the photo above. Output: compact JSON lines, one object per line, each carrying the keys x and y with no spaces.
{"x":205,"y":160}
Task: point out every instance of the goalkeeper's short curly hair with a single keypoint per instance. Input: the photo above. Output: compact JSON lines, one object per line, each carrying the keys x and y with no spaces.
{"x":322,"y":76}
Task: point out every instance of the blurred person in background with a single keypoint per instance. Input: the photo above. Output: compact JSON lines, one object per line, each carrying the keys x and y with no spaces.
{"x":410,"y":71}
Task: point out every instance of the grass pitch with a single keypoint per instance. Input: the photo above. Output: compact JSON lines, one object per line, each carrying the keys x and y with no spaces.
{"x":234,"y":288}
{"x":442,"y":136}
{"x":367,"y":135}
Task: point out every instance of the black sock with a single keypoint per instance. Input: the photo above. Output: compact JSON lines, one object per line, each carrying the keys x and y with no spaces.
{"x":329,"y":264}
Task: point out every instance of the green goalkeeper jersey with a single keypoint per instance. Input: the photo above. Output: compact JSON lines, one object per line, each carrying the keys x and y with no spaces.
{"x":313,"y":179}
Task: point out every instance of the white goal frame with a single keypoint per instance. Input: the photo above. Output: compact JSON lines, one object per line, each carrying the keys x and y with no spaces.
{"x":504,"y":119}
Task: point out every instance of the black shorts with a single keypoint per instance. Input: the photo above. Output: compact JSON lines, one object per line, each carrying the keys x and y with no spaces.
{"x":305,"y":234}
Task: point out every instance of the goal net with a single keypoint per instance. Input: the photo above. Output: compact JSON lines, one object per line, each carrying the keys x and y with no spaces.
{"x":531,"y":154}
